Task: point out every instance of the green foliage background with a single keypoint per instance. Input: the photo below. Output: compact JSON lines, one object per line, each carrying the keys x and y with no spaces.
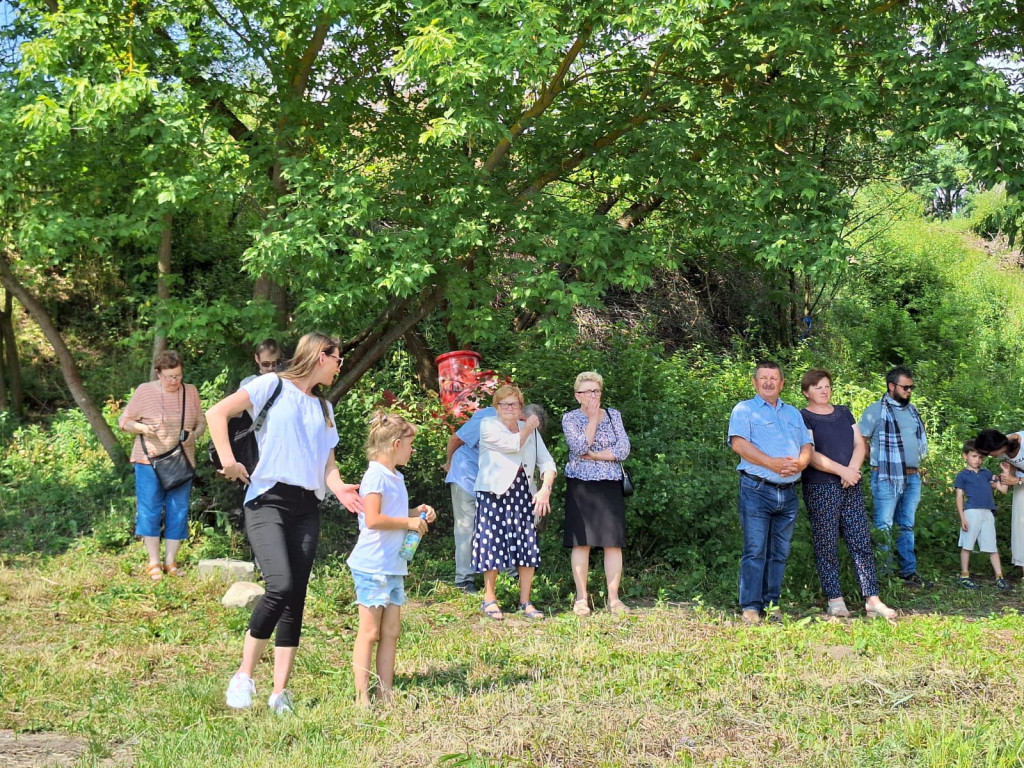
{"x":928,"y":294}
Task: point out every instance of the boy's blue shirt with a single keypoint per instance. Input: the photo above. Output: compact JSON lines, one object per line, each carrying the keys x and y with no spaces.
{"x":977,"y":488}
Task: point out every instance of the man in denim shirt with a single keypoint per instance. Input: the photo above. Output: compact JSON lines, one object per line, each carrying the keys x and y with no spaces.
{"x":462,"y":464}
{"x":774,"y":447}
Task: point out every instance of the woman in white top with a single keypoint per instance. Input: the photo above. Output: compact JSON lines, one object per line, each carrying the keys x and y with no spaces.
{"x":505,"y":534}
{"x":1007,"y":448}
{"x":282,"y":504}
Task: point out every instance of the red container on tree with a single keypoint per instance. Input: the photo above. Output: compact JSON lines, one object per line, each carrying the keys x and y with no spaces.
{"x":457,"y":374}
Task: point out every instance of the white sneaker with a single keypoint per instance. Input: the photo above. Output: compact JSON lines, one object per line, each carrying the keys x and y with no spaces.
{"x":240,"y":691}
{"x":281,"y":703}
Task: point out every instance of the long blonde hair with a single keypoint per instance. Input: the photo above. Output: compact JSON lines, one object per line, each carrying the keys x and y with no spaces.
{"x":306,"y":359}
{"x":385,"y":428}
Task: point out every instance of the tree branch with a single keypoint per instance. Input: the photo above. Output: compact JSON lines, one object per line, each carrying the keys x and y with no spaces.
{"x":375,"y":345}
{"x":546,"y":98}
{"x":639,"y":211}
{"x":579,"y":156}
{"x":300,"y":79}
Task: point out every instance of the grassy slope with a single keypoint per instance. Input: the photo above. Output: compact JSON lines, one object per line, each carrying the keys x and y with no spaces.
{"x":92,"y":649}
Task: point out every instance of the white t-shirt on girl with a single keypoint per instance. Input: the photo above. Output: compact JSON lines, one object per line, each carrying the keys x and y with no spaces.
{"x":376,"y":552}
{"x":295,"y":440}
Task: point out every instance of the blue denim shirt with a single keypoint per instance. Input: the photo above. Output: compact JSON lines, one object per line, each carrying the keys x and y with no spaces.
{"x":775,"y":431}
{"x":466,"y":459}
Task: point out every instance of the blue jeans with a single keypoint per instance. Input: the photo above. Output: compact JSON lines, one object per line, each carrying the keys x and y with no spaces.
{"x":767,"y":518}
{"x":899,"y":510}
{"x":155,"y":505}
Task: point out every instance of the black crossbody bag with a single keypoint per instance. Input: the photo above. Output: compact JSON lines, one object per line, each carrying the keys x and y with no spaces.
{"x":172,"y":468}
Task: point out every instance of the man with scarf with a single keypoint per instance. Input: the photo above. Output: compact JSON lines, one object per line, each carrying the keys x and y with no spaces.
{"x":897,"y":442}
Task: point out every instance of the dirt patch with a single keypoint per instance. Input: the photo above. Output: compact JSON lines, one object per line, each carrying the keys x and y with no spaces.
{"x":29,"y":750}
{"x":840,"y":652}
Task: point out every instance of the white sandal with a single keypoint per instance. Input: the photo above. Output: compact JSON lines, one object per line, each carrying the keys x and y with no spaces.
{"x":880,"y":611}
{"x":837,"y":609}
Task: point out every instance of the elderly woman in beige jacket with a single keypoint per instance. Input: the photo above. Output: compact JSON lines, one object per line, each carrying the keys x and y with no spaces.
{"x":507,"y":499}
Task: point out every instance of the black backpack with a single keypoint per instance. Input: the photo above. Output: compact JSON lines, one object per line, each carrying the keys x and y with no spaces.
{"x":242,"y":434}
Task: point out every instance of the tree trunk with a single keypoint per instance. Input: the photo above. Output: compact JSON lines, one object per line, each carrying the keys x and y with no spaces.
{"x":267,"y":289}
{"x":12,"y":364}
{"x":426,"y":371}
{"x":163,"y":288}
{"x":3,"y":374}
{"x":394,"y":322}
{"x":68,"y":368}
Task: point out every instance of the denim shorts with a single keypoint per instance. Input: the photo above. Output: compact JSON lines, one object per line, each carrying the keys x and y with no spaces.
{"x":378,"y":590}
{"x":155,"y":505}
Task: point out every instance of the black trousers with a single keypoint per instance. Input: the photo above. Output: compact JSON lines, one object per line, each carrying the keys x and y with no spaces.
{"x":283,"y":526}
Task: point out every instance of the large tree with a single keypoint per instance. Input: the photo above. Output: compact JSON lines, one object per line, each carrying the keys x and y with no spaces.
{"x":486,"y":162}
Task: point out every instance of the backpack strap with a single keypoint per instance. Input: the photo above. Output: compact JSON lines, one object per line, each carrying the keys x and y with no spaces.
{"x":262,"y":416}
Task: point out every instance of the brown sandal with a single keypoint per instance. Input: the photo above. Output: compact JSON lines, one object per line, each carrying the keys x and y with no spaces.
{"x":155,"y":571}
{"x":171,"y":570}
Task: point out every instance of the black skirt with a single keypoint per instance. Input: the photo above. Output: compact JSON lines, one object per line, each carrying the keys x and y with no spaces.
{"x":595,"y":513}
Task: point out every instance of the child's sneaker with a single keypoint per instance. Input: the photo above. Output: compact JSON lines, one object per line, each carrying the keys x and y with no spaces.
{"x":240,"y":691}
{"x":968,"y":583}
{"x":281,"y":703}
{"x":1001,"y":584}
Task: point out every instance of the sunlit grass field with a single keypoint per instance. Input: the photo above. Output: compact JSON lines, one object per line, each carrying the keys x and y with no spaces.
{"x":138,"y":669}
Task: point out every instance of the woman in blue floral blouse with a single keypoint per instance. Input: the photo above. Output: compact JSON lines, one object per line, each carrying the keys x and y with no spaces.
{"x":595,"y":511}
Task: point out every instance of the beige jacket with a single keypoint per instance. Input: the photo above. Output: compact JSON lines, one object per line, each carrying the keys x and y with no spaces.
{"x":501,"y":457}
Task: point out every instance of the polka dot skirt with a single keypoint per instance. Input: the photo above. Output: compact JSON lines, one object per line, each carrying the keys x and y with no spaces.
{"x":505,"y":536}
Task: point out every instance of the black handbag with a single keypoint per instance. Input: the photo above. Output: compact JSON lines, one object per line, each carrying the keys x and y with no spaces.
{"x":627,"y":482}
{"x":172,"y":468}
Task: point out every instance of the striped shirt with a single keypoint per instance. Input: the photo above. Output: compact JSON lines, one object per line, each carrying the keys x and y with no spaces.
{"x":151,"y":405}
{"x":775,"y":431}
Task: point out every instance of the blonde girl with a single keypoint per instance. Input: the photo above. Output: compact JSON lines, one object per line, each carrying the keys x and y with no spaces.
{"x":377,"y":570}
{"x":282,"y":503}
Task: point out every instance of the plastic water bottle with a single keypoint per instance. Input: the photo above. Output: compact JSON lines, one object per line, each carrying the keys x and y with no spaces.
{"x":411,"y":542}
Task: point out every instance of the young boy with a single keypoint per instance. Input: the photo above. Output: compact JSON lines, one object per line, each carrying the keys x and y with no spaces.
{"x":975,"y":503}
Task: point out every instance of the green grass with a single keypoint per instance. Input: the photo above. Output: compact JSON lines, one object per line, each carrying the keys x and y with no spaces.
{"x":138,"y":669}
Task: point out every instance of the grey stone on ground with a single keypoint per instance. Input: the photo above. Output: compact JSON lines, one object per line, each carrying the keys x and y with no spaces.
{"x":242,"y":594}
{"x":226,"y":569}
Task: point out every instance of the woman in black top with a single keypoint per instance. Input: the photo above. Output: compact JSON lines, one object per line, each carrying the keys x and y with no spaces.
{"x":834,"y":498}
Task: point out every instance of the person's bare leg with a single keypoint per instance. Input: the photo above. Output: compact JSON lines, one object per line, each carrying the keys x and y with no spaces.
{"x":387,"y":649}
{"x":490,"y":585}
{"x":252,"y":649}
{"x":579,"y":559}
{"x":362,"y":651}
{"x":613,"y":572}
{"x":284,"y":660}
{"x":171,"y":547}
{"x":965,"y":563}
{"x":525,"y":583}
{"x":152,"y":544}
{"x":997,"y":564}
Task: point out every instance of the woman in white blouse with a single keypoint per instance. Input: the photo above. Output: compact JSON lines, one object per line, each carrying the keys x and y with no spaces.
{"x":507,"y":499}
